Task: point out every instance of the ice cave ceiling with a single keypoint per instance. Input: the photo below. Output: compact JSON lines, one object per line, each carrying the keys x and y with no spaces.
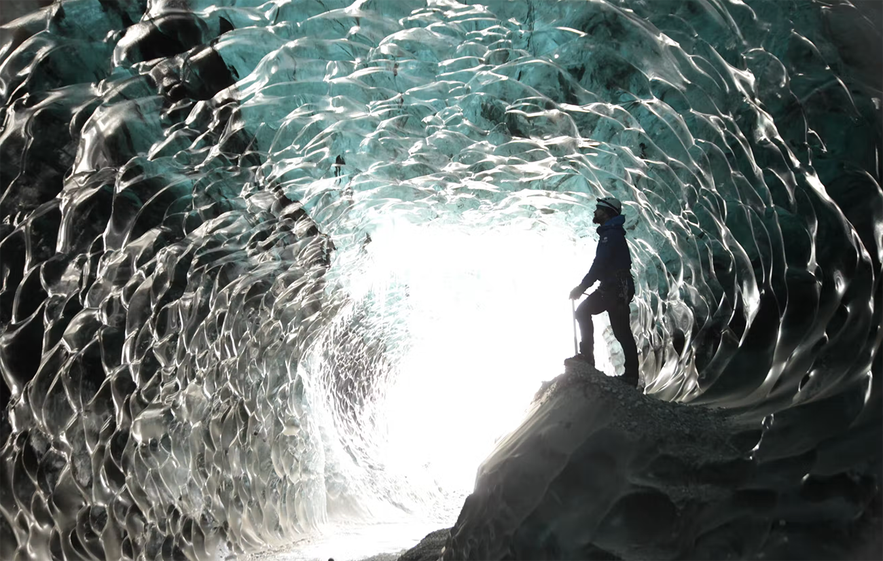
{"x":192,"y":190}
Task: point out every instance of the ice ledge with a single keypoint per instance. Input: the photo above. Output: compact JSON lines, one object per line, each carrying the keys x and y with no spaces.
{"x":600,"y":471}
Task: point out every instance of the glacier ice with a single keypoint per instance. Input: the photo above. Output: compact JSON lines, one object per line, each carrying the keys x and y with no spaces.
{"x":195,"y":194}
{"x":598,"y":471}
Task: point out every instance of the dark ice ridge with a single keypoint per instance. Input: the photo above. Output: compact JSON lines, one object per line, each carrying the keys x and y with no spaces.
{"x":600,"y":471}
{"x":177,"y":177}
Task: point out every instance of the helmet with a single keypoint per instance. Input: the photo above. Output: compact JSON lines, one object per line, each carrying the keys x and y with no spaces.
{"x":611,"y":204}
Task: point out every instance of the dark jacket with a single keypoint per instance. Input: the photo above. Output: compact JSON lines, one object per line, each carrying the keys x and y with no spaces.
{"x":612,"y":257}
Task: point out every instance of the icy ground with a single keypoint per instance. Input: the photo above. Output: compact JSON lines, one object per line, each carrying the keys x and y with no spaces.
{"x":598,"y":470}
{"x":356,"y":542}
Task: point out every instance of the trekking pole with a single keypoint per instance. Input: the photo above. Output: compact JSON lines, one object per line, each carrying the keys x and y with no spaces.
{"x":573,"y":321}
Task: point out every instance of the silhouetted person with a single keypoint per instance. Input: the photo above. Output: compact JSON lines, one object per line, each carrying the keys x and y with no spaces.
{"x":612,"y":267}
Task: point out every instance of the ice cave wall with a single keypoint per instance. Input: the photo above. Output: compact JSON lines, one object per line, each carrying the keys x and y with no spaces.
{"x":173,"y":210}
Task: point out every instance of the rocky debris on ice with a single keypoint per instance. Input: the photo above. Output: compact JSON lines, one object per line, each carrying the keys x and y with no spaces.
{"x":598,"y":470}
{"x":429,"y":548}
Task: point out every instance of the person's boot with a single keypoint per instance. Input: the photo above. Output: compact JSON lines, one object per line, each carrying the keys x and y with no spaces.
{"x":629,"y":378}
{"x":587,"y":353}
{"x":584,"y":356}
{"x":581,"y":359}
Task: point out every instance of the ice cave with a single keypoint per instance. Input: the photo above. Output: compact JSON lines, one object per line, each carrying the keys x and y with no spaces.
{"x":288,"y":279}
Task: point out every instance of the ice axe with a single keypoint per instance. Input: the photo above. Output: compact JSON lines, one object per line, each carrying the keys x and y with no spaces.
{"x":573,"y":321}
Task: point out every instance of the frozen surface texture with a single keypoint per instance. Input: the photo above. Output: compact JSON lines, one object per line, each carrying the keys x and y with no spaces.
{"x":599,"y":471}
{"x":184,"y":182}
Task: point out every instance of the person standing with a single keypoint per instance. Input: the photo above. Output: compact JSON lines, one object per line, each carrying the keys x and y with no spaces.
{"x":612,"y":268}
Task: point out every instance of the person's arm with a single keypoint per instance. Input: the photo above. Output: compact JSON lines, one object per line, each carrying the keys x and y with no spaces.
{"x":602,"y":261}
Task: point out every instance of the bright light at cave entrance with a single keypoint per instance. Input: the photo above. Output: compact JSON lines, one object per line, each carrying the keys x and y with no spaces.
{"x":488,"y":320}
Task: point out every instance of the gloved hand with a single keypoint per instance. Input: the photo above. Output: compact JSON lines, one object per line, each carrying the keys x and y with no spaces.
{"x":577,"y":292}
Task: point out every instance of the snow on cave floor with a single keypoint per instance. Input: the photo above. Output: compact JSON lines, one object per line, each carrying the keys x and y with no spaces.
{"x":354,"y":542}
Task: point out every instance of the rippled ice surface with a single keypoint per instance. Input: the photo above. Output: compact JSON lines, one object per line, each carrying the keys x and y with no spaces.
{"x":266,"y":265}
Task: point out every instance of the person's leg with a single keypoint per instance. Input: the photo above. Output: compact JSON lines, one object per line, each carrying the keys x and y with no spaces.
{"x":591,"y":306}
{"x":622,"y":330}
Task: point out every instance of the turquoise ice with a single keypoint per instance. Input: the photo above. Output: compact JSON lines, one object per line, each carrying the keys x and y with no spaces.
{"x":225,"y":224}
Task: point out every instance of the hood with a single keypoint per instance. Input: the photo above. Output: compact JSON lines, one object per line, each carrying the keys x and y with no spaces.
{"x":615,"y":222}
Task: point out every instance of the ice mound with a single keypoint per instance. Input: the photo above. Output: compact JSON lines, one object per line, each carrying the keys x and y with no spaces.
{"x":600,"y":471}
{"x":189,"y":190}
